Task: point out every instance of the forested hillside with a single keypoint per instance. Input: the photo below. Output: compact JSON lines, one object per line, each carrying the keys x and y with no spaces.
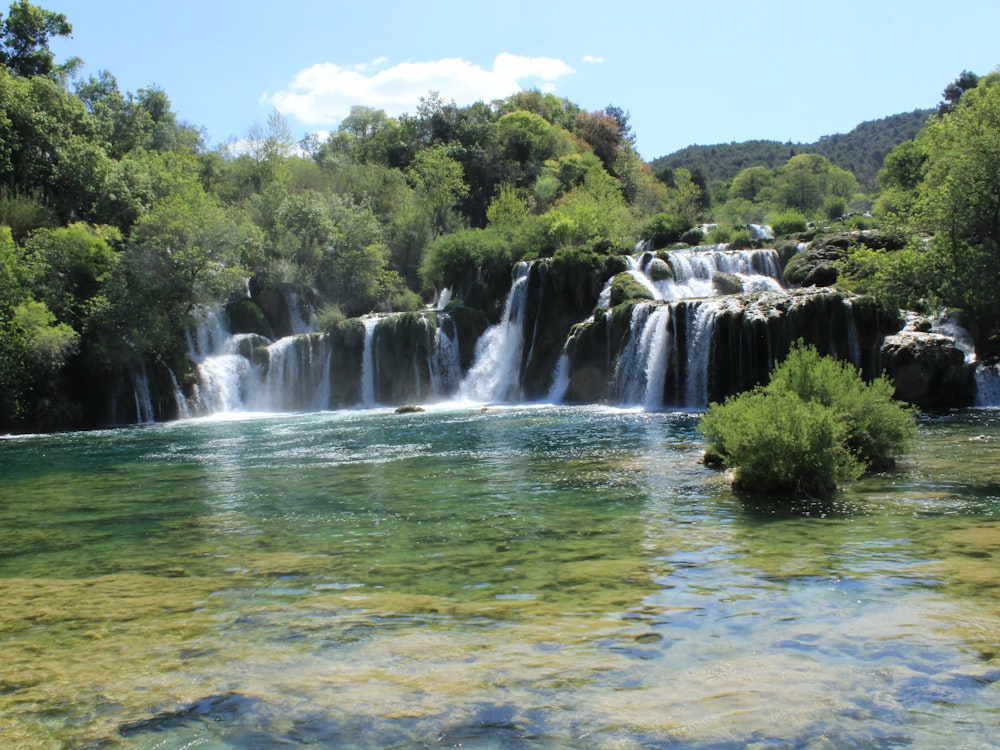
{"x":118,"y":225}
{"x":860,"y":151}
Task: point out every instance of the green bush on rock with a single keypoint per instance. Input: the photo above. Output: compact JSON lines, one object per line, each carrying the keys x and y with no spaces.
{"x":815,"y":424}
{"x":625,"y":288}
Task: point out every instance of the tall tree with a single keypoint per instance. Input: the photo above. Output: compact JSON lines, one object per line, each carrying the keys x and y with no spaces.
{"x":24,"y":41}
{"x":959,"y":198}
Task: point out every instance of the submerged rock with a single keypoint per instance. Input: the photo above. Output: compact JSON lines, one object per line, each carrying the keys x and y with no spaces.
{"x":929,"y":369}
{"x":409,"y":409}
{"x":224,"y":707}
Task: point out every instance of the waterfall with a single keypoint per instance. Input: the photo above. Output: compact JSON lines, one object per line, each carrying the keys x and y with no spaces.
{"x":761,"y":232}
{"x":700,"y":334}
{"x":657,"y":352}
{"x":298,"y":322}
{"x":442,"y":301}
{"x":297,"y":376}
{"x":368,"y":363}
{"x":853,"y":344}
{"x":495,"y":374}
{"x":444,"y":361}
{"x":143,"y":401}
{"x":183,"y":408}
{"x":220,"y":384}
{"x":694,"y":269}
{"x":987,"y":385}
{"x":560,"y":380}
{"x":210,"y":336}
{"x":641,"y":369}
{"x":987,"y":376}
{"x":758,"y":270}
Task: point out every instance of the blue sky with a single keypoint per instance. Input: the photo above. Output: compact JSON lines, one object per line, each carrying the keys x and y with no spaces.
{"x":703,"y":72}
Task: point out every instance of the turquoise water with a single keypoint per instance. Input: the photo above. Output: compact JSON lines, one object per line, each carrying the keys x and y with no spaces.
{"x":526,"y":577}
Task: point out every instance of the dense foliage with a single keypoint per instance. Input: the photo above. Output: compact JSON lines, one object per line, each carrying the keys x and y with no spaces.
{"x":943,"y":188}
{"x":814,"y":425}
{"x":860,"y":151}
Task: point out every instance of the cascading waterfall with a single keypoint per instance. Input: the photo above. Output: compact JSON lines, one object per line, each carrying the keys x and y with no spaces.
{"x":669,"y":349}
{"x":700,"y":328}
{"x":647,"y":324}
{"x":445,"y":362}
{"x":300,"y":313}
{"x":419,"y":351}
{"x":368,"y":363}
{"x":658,"y":349}
{"x":694,"y":269}
{"x":297,"y":375}
{"x":496,"y":371}
{"x":560,"y":380}
{"x":220,"y":386}
{"x":853,"y":343}
{"x":237,"y":372}
{"x":183,"y":408}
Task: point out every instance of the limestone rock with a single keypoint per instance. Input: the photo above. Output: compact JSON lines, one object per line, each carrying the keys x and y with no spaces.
{"x":928,"y":369}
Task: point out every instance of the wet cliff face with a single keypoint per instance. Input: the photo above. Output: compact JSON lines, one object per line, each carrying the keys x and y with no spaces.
{"x":686,"y":353}
{"x":561,"y":292}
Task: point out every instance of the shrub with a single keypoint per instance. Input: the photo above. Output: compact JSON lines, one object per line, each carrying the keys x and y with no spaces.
{"x":788,"y":222}
{"x":898,"y":279}
{"x":665,"y":229}
{"x":329,"y":318}
{"x":693,"y":237}
{"x":814,"y":425}
{"x":720,"y":235}
{"x":740,"y":239}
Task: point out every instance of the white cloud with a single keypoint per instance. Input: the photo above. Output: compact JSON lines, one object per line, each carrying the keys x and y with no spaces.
{"x":592,"y":59}
{"x":324,"y":93}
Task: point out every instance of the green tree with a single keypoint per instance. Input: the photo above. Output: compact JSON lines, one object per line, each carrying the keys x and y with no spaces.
{"x":185,"y":252}
{"x":751,"y":182}
{"x":438,"y":180}
{"x":959,"y":199}
{"x":268,"y":147}
{"x":70,"y":265}
{"x":952,"y":93}
{"x":24,"y":41}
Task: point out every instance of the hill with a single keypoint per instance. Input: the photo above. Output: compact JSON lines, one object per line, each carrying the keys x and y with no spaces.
{"x":861,"y":151}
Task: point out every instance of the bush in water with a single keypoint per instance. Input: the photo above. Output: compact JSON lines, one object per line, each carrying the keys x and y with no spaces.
{"x":816,"y":423}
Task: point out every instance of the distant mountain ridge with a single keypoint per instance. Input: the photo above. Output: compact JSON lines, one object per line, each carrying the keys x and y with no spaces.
{"x":861,"y":151}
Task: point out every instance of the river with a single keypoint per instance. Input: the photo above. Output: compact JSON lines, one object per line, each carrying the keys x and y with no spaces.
{"x":517,"y":577}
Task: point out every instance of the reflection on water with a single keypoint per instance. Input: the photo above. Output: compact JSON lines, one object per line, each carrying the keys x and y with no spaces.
{"x":527,"y":577}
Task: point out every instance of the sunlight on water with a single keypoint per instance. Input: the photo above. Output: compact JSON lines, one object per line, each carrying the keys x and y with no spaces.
{"x":515,"y":578}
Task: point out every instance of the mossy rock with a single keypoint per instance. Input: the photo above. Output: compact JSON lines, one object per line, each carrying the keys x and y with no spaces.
{"x":626,"y":289}
{"x":659,"y":270}
{"x":814,"y":267}
{"x":727,"y":283}
{"x":349,"y":333}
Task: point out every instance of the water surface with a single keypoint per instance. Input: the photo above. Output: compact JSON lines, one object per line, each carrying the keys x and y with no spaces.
{"x":521,"y":578}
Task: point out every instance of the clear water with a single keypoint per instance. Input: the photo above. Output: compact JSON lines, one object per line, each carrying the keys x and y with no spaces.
{"x":520,"y":578}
